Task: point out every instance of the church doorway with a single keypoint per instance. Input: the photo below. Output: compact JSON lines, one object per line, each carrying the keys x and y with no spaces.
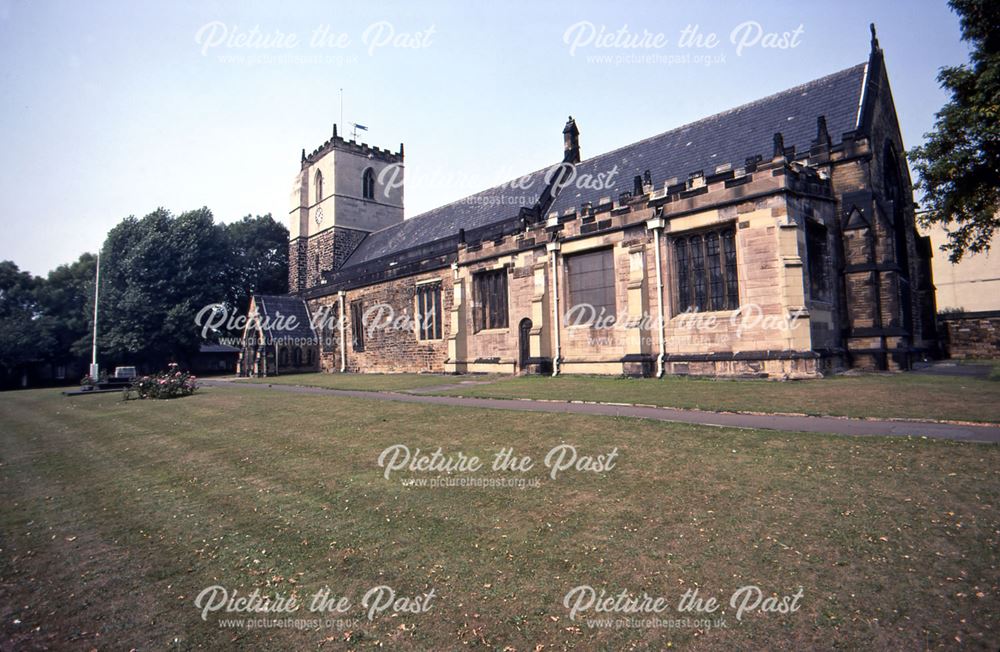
{"x":524,"y":344}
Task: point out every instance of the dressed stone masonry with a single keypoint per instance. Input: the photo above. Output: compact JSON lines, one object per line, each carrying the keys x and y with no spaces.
{"x":775,"y":239}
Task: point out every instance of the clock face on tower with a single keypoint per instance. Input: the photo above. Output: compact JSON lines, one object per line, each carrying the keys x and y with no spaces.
{"x":319,"y":216}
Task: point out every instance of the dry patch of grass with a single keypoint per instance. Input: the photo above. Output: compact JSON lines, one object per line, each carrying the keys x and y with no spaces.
{"x":361,"y":382}
{"x":905,"y":396}
{"x":115,"y":515}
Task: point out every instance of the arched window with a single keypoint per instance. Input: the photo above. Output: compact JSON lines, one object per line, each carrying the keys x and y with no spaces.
{"x":283,"y":357}
{"x":897,"y":200}
{"x":894,"y":194}
{"x":319,"y":186}
{"x":297,"y":356}
{"x":368,"y":184}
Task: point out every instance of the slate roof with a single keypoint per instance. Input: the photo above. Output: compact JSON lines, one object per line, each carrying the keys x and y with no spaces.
{"x":728,"y":137}
{"x":217,"y":348}
{"x":483,"y":208}
{"x":276,"y":312}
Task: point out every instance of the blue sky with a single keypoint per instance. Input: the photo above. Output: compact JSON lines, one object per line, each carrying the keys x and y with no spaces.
{"x":111,"y":109}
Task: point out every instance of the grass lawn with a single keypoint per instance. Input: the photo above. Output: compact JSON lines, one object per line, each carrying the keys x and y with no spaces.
{"x":115,"y":515}
{"x":364,"y":382}
{"x":994,"y":364}
{"x":908,"y":396}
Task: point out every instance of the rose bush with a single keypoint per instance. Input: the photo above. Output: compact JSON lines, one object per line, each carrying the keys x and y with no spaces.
{"x":166,"y":384}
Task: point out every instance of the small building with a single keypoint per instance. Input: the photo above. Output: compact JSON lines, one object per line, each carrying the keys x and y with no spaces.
{"x":279,"y":338}
{"x":214,"y":359}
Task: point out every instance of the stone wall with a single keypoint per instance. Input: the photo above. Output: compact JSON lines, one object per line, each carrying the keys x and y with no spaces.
{"x":781,"y":329}
{"x":391,"y":343}
{"x":887,"y":296}
{"x":972,"y":334}
{"x":774,"y":338}
{"x":298,"y":269}
{"x":310,"y":257}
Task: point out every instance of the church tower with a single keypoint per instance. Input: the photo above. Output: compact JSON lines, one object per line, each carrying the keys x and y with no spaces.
{"x":344,"y":191}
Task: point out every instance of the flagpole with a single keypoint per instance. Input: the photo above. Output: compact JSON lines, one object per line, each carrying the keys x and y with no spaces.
{"x":94,"y":370}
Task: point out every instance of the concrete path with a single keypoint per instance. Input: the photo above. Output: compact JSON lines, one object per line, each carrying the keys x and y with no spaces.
{"x":953,"y":368}
{"x":828,"y":425}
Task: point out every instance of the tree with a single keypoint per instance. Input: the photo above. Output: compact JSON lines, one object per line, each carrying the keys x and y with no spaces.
{"x":258,"y":259}
{"x":157,"y":273}
{"x":66,"y":298}
{"x":959,"y":164}
{"x":23,"y":336}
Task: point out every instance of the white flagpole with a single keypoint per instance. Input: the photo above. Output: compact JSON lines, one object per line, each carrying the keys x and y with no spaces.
{"x":94,"y":370}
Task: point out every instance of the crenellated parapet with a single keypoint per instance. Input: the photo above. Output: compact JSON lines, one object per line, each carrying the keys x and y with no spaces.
{"x":337,"y":142}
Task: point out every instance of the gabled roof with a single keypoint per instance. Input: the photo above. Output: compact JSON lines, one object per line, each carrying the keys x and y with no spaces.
{"x":276,"y":312}
{"x":728,"y":137}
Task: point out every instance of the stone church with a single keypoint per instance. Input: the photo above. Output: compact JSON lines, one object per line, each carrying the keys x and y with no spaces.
{"x":775,"y":239}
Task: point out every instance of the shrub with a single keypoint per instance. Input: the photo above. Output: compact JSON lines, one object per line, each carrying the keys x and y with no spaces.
{"x":166,"y":384}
